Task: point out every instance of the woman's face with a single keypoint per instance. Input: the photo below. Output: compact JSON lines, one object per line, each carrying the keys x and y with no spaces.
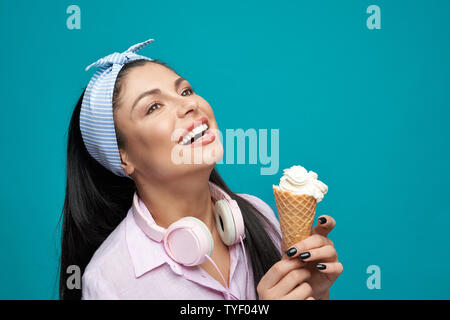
{"x":156,"y":106}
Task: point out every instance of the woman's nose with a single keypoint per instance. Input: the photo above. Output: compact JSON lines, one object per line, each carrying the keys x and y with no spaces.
{"x":187,"y":107}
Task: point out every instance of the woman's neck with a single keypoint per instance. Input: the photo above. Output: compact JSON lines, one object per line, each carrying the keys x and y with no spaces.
{"x":173,"y":200}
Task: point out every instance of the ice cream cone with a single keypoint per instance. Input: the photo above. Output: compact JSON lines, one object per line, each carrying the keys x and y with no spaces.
{"x":296,"y":214}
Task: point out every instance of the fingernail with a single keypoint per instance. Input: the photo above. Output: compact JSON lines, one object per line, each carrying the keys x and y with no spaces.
{"x":304,"y":255}
{"x":321,"y":266}
{"x":291,"y":252}
{"x":322,"y":220}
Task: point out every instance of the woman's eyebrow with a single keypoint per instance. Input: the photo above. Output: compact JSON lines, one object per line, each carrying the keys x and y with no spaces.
{"x":155,"y":91}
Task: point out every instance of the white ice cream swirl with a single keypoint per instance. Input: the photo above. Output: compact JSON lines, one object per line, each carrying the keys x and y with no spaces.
{"x":298,"y":180}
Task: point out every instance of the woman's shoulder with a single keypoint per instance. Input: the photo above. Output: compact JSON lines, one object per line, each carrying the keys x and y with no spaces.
{"x":112,"y":246}
{"x":109,"y":260}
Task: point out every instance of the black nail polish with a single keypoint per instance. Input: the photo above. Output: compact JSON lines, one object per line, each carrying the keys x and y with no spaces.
{"x":321,"y":266}
{"x":304,"y":255}
{"x":322,"y":220}
{"x":291,"y":252}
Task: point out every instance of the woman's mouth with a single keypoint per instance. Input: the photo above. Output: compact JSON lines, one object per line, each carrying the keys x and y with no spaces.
{"x":206,"y":138}
{"x":200,"y":135}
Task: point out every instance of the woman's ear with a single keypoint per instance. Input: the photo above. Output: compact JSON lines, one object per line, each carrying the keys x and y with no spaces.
{"x":127,"y":166}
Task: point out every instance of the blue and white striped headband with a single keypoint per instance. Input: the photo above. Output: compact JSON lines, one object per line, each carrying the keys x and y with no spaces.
{"x":96,"y":116}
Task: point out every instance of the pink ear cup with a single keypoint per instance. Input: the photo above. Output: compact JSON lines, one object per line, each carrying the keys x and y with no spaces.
{"x":238,"y":220}
{"x":188,"y":240}
{"x":236,"y":213}
{"x":225,"y":222}
{"x":229,"y":221}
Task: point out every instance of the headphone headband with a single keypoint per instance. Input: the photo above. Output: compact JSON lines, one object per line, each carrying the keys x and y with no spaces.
{"x":218,"y":194}
{"x":146,"y":222}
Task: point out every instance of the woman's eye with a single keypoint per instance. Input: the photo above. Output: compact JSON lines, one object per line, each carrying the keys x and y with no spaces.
{"x":153,"y":107}
{"x":188,"y":89}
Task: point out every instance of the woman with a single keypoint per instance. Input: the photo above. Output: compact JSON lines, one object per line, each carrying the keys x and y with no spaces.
{"x":128,"y":131}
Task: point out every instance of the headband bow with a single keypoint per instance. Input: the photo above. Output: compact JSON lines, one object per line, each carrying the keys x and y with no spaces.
{"x":120,"y":58}
{"x":96,"y":115}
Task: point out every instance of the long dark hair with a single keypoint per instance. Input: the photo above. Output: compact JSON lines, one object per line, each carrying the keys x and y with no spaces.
{"x":97,"y":200}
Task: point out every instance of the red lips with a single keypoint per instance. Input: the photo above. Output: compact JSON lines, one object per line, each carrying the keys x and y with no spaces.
{"x":194,"y":124}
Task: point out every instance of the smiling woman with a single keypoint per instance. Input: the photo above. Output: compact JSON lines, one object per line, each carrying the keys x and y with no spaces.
{"x":168,"y":112}
{"x":120,"y":142}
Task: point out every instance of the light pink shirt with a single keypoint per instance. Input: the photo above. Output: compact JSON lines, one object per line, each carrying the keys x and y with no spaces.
{"x":129,"y":265}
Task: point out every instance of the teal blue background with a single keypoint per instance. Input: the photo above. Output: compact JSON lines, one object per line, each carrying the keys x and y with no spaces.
{"x":366,"y":109}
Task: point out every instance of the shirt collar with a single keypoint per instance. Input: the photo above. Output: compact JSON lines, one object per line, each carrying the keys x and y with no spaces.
{"x":146,"y":254}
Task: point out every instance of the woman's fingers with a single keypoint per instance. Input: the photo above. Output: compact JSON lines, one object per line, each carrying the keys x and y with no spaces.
{"x":335,"y":268}
{"x":302,"y":292}
{"x":310,"y":298}
{"x":326,"y":253}
{"x":314,"y":241}
{"x":278,"y":271}
{"x":324,"y":226}
{"x":290,"y":281}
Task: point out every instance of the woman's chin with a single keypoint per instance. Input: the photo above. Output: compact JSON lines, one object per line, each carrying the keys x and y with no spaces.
{"x":206,"y":154}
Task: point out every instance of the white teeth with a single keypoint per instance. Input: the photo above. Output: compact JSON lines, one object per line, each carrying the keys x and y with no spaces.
{"x":199,"y":129}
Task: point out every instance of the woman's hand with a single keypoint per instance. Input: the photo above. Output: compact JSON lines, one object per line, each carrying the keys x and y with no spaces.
{"x":286,"y":280}
{"x":320,"y":256}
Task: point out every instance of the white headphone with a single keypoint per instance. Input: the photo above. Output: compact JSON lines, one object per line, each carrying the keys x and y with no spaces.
{"x":188,"y":241}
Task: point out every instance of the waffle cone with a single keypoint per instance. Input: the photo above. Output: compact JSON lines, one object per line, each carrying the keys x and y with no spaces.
{"x":296,"y":215}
